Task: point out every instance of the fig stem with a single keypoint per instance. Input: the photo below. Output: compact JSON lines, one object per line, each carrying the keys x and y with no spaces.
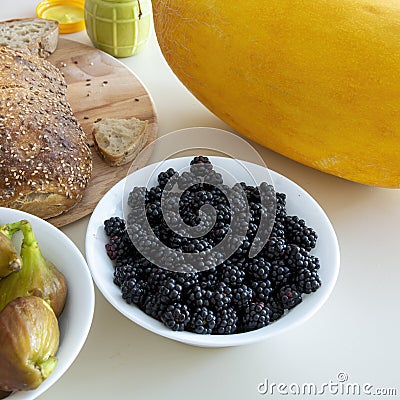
{"x":29,"y":238}
{"x":47,"y":367}
{"x":8,"y":230}
{"x":30,"y":250}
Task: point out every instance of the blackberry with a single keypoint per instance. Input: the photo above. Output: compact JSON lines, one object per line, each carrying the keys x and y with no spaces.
{"x":114,"y":226}
{"x":176,"y":263}
{"x":268,"y":196}
{"x":280,"y":212}
{"x":176,"y":316}
{"x":232,"y":271}
{"x":308,"y":281}
{"x":258,"y":268}
{"x":146,"y":241}
{"x":218,"y":232}
{"x":200,"y":160}
{"x":252,"y":192}
{"x":170,"y":203}
{"x":124,"y":273}
{"x":275,"y":308}
{"x":274,"y":248}
{"x":280,"y":274}
{"x":223,"y":214}
{"x":203,"y":265}
{"x":135,"y":215}
{"x":221,"y":296}
{"x":262,"y":290}
{"x":255,"y":208}
{"x":154,"y":213}
{"x":200,"y":166}
{"x":134,"y":291}
{"x":201,"y":198}
{"x":213,"y":178}
{"x":153,"y":306}
{"x":208,"y":278}
{"x":243,"y":250}
{"x":164,"y":177}
{"x":157,"y":277}
{"x":297,"y":258}
{"x":119,"y":246}
{"x":187,"y":279}
{"x":241,"y":296}
{"x":154,"y":194}
{"x":218,"y":195}
{"x":297,"y":232}
{"x":186,"y":180}
{"x":289,"y":296}
{"x":226,"y":322}
{"x":278,"y":230}
{"x":238,"y":203}
{"x":126,"y":259}
{"x":196,"y":187}
{"x":142,"y":266}
{"x":198,"y":297}
{"x":136,"y":197}
{"x":165,"y":234}
{"x":170,"y":291}
{"x":202,"y":321}
{"x":176,"y":242}
{"x":196,"y":246}
{"x":255,"y":316}
{"x":313,"y":263}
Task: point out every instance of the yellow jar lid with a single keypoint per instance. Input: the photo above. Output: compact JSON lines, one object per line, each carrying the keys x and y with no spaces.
{"x":69,"y":13}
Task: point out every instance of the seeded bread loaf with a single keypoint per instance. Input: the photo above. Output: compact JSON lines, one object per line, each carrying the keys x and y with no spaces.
{"x":119,"y":140}
{"x":45,"y":163}
{"x":36,"y":35}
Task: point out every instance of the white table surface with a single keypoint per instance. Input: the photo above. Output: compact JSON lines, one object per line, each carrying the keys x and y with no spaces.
{"x":356,"y":332}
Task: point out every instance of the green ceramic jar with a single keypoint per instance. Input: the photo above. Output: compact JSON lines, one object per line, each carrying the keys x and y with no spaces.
{"x":118,"y":27}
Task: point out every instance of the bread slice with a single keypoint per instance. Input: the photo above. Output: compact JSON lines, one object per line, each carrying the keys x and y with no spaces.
{"x":37,"y":35}
{"x":118,"y":140}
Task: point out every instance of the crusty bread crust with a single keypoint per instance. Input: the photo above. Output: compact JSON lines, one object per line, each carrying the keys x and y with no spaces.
{"x":21,"y":69}
{"x":45,"y":163}
{"x":36,"y":35}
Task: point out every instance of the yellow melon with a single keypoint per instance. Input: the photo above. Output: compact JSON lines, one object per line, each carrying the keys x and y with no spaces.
{"x":315,"y":80}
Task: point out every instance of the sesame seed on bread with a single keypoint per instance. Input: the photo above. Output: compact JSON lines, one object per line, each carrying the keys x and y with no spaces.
{"x":21,"y":69}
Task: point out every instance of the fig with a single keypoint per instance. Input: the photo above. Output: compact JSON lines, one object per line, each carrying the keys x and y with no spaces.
{"x":29,"y":340}
{"x":10,"y":260}
{"x":37,"y":277}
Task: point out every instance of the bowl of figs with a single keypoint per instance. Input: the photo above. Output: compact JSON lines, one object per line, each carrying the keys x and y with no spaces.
{"x":46,"y":304}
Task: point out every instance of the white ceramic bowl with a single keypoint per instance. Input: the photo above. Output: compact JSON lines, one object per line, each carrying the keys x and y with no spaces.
{"x":299,"y":203}
{"x":76,"y":318}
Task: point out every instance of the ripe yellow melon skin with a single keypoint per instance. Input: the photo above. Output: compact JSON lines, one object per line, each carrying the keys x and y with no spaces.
{"x":315,"y":80}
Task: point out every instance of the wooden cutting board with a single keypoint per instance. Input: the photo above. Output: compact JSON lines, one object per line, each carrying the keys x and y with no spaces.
{"x":100,"y":86}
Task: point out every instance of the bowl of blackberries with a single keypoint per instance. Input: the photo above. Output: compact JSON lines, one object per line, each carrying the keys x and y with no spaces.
{"x":212,"y":251}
